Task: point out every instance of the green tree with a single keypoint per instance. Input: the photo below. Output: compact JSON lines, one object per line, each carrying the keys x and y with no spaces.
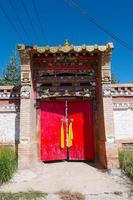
{"x":11,"y":72}
{"x":114,"y":78}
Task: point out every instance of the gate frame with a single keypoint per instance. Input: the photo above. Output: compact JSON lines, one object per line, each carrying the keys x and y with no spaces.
{"x":106,"y":150}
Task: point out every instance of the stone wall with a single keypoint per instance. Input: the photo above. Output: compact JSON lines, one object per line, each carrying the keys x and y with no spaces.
{"x":117,"y":107}
{"x":9,"y":115}
{"x":118,"y":123}
{"x":122,"y":97}
{"x":9,"y":127}
{"x":123,"y":124}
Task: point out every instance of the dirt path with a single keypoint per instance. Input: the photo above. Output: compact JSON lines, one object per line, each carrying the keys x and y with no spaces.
{"x":73,"y":176}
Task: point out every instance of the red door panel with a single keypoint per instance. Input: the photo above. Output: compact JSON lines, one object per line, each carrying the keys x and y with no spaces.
{"x":51,"y":114}
{"x":82,"y":126}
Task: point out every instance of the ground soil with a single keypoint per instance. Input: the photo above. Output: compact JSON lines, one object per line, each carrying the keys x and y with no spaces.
{"x":85,"y":178}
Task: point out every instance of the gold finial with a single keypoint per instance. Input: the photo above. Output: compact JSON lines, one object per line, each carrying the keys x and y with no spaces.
{"x":66,"y":44}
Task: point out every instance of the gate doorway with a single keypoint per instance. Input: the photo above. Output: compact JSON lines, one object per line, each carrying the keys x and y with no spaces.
{"x":67,"y":130}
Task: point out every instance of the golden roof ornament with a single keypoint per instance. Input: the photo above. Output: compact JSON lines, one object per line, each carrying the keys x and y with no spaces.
{"x":66,"y":44}
{"x":21,"y":47}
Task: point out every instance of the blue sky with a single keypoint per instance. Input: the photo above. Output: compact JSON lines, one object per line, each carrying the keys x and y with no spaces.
{"x":62,"y":22}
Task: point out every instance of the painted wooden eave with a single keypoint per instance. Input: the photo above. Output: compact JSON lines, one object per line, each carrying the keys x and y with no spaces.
{"x":66,"y":49}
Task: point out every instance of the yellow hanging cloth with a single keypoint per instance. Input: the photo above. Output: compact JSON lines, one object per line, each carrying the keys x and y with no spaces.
{"x":70,"y":135}
{"x":62,"y":136}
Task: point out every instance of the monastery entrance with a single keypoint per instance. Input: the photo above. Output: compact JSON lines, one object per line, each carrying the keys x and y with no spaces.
{"x":67,"y":130}
{"x":65,"y":90}
{"x":66,"y":103}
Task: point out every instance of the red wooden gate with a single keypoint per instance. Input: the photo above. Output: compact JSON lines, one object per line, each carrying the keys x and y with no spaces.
{"x":80,"y":112}
{"x":51,"y":115}
{"x":78,"y":121}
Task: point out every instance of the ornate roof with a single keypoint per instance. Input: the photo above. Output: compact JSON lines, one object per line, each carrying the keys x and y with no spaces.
{"x":67,"y":48}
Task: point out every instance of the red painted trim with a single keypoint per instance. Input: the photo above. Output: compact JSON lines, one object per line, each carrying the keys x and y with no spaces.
{"x":51,"y":58}
{"x":122,"y":99}
{"x":44,"y":68}
{"x":9,"y":101}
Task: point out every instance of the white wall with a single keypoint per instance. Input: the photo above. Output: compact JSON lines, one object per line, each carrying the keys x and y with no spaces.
{"x":9,"y":127}
{"x":123,"y":124}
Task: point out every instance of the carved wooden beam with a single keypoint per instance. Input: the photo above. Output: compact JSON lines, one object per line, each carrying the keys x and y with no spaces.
{"x":41,"y":67}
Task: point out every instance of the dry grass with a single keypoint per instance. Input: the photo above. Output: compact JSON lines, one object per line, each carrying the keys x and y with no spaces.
{"x":119,"y":193}
{"x":67,"y":195}
{"x":126,"y":162}
{"x":8,"y":163}
{"x":30,"y":195}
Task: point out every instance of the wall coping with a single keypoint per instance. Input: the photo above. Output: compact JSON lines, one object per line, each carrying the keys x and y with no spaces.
{"x":9,"y":92}
{"x":122,"y":90}
{"x":8,"y":87}
{"x":122,"y":85}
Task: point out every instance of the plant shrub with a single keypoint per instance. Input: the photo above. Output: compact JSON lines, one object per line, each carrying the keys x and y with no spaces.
{"x":68,"y":195}
{"x":126,"y":162}
{"x":29,"y":195}
{"x":8,"y":163}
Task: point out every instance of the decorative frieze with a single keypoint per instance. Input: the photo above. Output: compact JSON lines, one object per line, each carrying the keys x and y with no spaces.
{"x":106,"y":89}
{"x":25,"y":75}
{"x":121,"y":90}
{"x":123,"y":105}
{"x":9,"y":96}
{"x":65,"y":83}
{"x":9,"y":92}
{"x":106,"y":76}
{"x":105,"y":67}
{"x":25,"y":81}
{"x":86,"y":93}
{"x":9,"y":108}
{"x":25,"y":92}
{"x":117,"y":90}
